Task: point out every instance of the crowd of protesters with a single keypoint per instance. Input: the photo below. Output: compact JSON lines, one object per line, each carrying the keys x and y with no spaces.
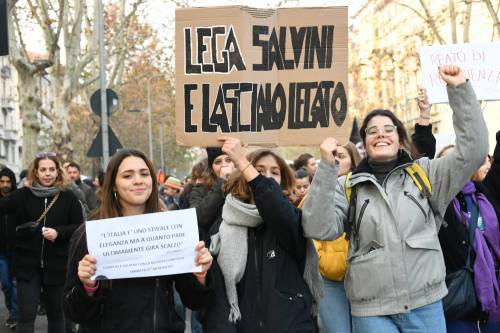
{"x":370,"y":239}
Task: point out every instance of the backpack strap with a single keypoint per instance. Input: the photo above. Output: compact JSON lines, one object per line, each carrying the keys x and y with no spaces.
{"x":417,"y":173}
{"x":351,"y":212}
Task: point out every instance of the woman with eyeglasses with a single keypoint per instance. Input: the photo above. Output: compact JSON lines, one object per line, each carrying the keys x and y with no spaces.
{"x":144,"y":304}
{"x":395,"y":279}
{"x":47,"y":215}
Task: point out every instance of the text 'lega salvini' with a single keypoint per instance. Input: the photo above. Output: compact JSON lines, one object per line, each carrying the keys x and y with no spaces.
{"x":265,"y":105}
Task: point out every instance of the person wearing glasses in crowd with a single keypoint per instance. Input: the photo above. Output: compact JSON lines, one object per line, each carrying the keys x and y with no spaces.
{"x":143,"y":304}
{"x":41,"y":250}
{"x":395,"y":279}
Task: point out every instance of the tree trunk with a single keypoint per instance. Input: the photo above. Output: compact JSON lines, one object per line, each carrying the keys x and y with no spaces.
{"x":60,"y":130}
{"x":29,"y":103}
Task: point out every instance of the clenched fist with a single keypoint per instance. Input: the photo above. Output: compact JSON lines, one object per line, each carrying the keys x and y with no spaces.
{"x":452,"y":75}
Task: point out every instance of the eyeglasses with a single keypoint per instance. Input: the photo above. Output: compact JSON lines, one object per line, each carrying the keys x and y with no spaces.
{"x":46,"y":154}
{"x":386,"y":129}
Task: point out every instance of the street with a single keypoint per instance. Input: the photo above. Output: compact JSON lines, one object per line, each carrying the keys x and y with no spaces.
{"x":40,"y":323}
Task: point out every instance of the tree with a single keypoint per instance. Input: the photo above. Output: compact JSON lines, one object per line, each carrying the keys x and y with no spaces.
{"x":387,"y":66}
{"x":70,"y":36}
{"x":145,"y":58}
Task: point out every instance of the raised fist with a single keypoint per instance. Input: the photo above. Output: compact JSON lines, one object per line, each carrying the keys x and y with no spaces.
{"x":452,"y":75}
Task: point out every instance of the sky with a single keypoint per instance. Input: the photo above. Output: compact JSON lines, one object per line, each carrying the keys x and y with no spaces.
{"x":163,"y":20}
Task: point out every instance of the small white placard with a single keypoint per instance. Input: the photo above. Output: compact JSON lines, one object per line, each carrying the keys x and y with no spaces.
{"x":144,"y":245}
{"x":480,"y":62}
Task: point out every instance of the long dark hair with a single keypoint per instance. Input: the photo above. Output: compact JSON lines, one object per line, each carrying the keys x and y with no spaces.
{"x":110,"y":206}
{"x":404,"y":142}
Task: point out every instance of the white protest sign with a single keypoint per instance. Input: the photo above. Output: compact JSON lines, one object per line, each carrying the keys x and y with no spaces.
{"x":144,"y":245}
{"x":480,"y":62}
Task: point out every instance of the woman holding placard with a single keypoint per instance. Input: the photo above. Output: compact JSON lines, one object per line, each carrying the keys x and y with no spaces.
{"x":266,"y":277}
{"x":129,"y":305}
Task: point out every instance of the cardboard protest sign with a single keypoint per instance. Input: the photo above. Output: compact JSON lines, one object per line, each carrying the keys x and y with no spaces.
{"x":266,"y":76}
{"x":480,"y":62}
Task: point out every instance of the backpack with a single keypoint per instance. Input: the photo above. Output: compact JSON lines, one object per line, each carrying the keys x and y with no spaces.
{"x":417,"y":174}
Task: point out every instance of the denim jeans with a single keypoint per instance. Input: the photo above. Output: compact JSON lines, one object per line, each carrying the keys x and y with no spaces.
{"x":334,"y":309}
{"x":9,"y":287}
{"x":181,"y":312}
{"x":426,"y":319}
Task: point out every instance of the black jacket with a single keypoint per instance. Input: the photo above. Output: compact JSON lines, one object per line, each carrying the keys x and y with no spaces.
{"x":8,"y":221}
{"x":273,"y":296}
{"x":424,"y":141}
{"x":208,"y":208}
{"x":32,"y":253}
{"x":128,"y":305}
{"x":453,"y":235}
{"x":90,"y":196}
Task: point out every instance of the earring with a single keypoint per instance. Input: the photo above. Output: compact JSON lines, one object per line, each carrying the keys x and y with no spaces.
{"x":115,"y":195}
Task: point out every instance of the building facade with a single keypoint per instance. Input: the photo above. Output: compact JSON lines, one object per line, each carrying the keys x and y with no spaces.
{"x":385,"y":40}
{"x":10,"y":120}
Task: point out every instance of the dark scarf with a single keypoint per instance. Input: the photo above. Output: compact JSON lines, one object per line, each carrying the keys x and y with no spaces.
{"x":381,"y":169}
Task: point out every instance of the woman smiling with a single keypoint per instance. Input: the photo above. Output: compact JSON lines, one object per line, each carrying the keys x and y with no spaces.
{"x":396,"y":276}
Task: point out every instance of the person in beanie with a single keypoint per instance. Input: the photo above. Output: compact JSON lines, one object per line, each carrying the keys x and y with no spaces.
{"x":208,"y":197}
{"x":7,"y":240}
{"x":172,"y":187}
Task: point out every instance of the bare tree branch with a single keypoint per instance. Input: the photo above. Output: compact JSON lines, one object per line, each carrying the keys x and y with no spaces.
{"x":453,"y":21}
{"x":468,"y":16}
{"x":122,"y":46}
{"x":493,"y":14}
{"x":43,"y":20}
{"x":22,"y":45}
{"x":46,"y":113}
{"x":92,"y":42}
{"x":431,"y":22}
{"x":59,"y":27}
{"x":412,"y":9}
{"x":88,"y":82}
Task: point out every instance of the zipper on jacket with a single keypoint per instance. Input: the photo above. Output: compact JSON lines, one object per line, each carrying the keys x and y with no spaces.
{"x":402,"y":166}
{"x":412,"y":198}
{"x":258,"y":283}
{"x":358,"y":223}
{"x":43,"y":238}
{"x":155,"y":302}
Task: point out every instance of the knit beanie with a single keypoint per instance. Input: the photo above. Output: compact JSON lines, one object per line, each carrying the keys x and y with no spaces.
{"x":212,"y":154}
{"x":173,"y":182}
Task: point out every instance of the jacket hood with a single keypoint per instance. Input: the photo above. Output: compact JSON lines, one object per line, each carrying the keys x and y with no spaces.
{"x":9,"y":173}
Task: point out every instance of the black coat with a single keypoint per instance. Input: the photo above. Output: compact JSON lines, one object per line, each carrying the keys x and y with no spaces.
{"x":32,"y":253}
{"x":8,"y":221}
{"x":273,"y":296}
{"x":453,"y":235}
{"x":128,"y":305}
{"x":208,"y":206}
